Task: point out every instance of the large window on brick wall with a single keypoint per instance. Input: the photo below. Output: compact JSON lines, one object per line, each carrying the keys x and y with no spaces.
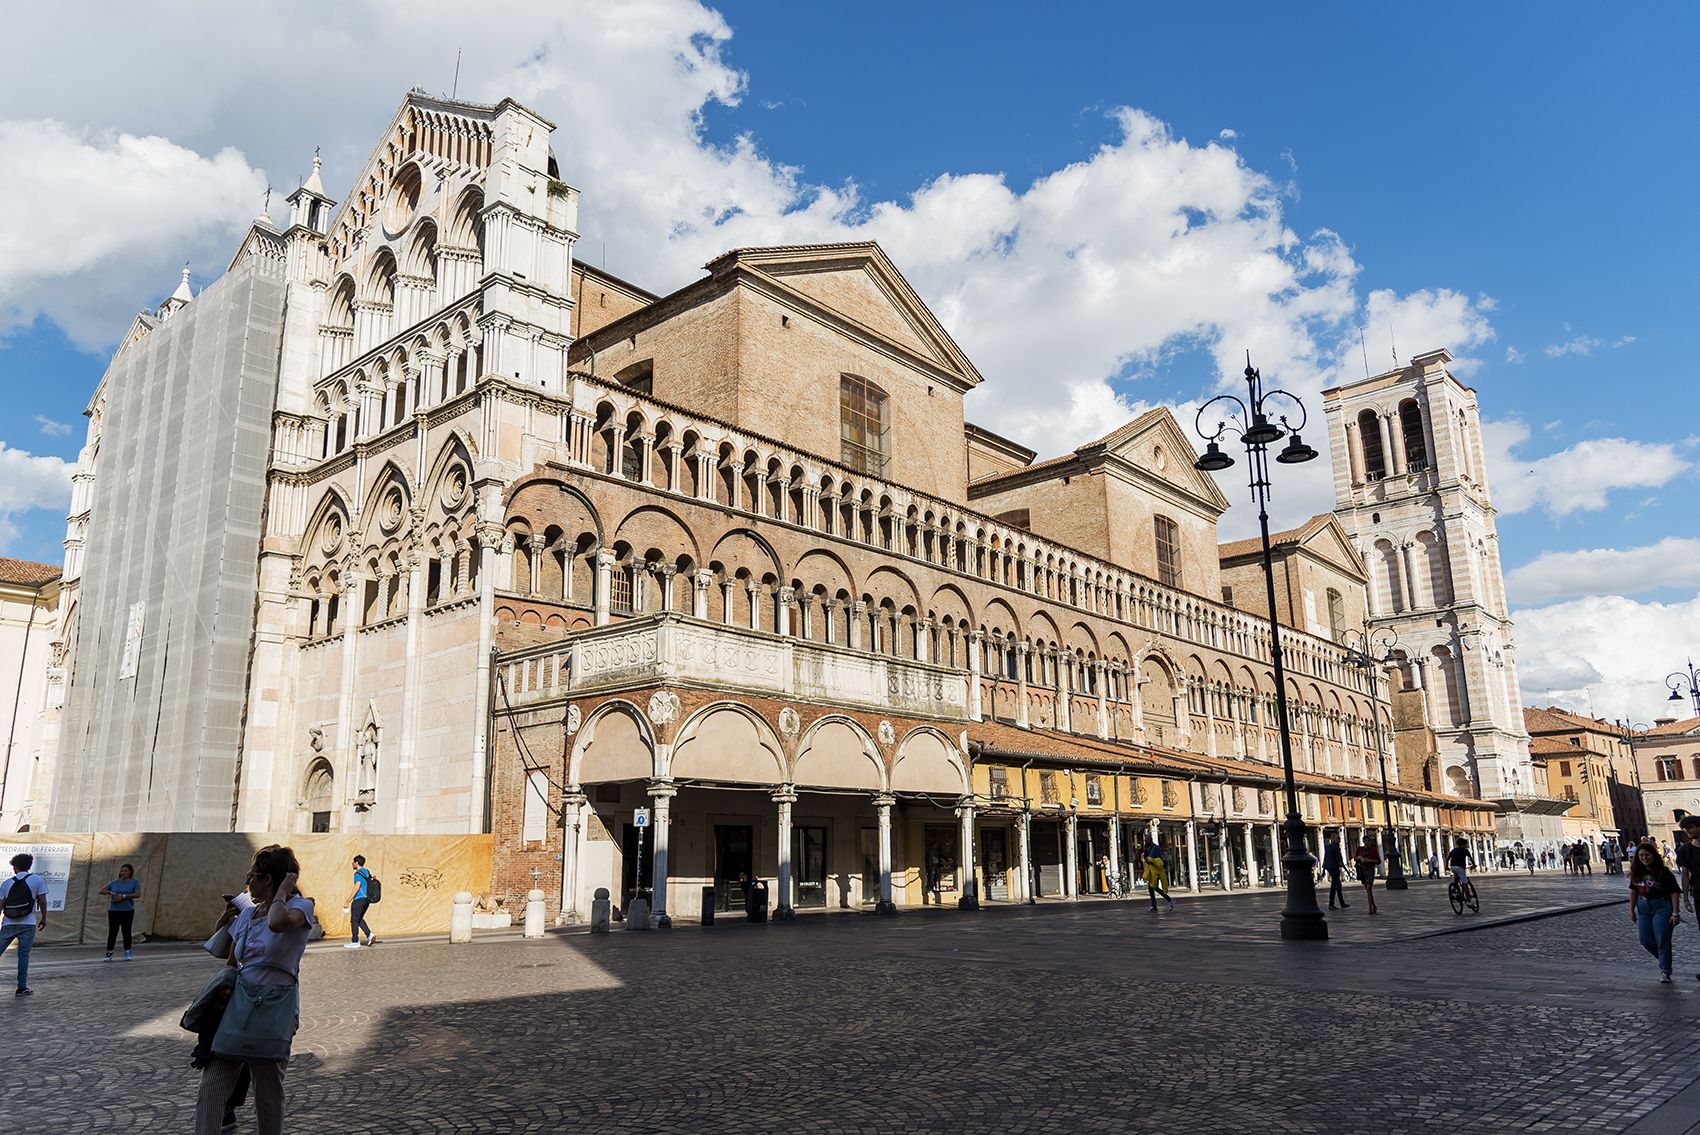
{"x":864,"y":429}
{"x":1168,"y":551}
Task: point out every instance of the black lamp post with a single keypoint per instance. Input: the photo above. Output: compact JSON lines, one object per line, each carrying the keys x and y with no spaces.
{"x":1691,"y":679}
{"x":1248,"y":422}
{"x":1370,"y":651}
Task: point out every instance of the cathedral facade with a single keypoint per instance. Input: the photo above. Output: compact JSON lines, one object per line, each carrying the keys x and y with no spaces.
{"x":675,"y":593}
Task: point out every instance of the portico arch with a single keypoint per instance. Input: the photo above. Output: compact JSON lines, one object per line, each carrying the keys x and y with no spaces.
{"x":730,"y":743}
{"x":928,"y":762}
{"x":837,"y":752}
{"x":615,"y":743}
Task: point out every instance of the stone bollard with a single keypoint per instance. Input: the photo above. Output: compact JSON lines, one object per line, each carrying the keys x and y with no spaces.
{"x":637,"y":914}
{"x":534,"y":914}
{"x":460,"y":921}
{"x":600,"y":911}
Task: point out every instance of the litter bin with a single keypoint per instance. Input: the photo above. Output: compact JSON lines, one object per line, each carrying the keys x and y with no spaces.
{"x":708,"y":899}
{"x":757,"y":902}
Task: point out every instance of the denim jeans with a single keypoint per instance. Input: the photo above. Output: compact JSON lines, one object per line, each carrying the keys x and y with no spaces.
{"x":25,"y":937}
{"x":1652,"y":918}
{"x":357,"y":919}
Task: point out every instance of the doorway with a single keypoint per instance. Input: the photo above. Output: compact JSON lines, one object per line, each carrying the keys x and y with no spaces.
{"x":808,"y":867}
{"x":994,"y":859}
{"x":634,"y":845}
{"x":733,"y":861}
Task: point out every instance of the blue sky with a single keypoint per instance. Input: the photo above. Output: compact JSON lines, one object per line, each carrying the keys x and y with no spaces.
{"x":1514,"y":183}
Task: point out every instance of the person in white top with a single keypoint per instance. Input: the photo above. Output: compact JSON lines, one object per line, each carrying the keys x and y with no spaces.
{"x":267,"y":941}
{"x":23,"y":914}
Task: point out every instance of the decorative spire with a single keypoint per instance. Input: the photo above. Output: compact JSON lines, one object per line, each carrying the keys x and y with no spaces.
{"x":183,"y":293}
{"x":313,"y":184}
{"x":265,"y":217}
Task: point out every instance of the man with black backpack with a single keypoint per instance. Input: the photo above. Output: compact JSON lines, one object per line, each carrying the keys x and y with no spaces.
{"x":23,"y":912}
{"x":360,"y":899}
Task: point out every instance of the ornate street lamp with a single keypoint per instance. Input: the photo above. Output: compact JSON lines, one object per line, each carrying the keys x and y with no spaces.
{"x":1248,"y":422}
{"x":1372,"y":651}
{"x":1691,"y":679}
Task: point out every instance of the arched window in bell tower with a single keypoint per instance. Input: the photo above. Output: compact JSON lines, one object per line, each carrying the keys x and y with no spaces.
{"x":1411,"y":431}
{"x":1369,"y":436}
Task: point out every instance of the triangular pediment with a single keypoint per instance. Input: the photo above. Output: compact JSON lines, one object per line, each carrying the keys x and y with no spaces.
{"x":1154,"y":447}
{"x":1325,"y":538}
{"x":857,"y":284}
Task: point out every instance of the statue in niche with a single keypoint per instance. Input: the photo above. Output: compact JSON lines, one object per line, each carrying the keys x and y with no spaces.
{"x":367,"y":783}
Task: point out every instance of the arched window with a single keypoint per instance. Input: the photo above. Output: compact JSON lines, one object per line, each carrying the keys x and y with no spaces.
{"x":1369,"y":437}
{"x":1411,"y":430}
{"x":317,"y":795}
{"x":863,"y":425}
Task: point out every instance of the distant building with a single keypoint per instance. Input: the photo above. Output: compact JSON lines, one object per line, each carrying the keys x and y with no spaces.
{"x":1411,"y":489}
{"x":1667,"y":759}
{"x":1590,"y":762}
{"x":29,"y":597}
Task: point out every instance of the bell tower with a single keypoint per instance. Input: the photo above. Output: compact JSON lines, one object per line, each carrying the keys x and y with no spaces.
{"x":1411,"y":488}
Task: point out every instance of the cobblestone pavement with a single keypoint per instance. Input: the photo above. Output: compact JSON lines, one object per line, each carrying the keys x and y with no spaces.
{"x":1095,"y":1017}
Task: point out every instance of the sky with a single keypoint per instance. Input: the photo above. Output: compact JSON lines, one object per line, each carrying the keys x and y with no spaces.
{"x":1107,"y":207}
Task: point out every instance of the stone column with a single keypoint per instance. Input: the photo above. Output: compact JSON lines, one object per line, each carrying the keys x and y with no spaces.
{"x":1064,"y":662}
{"x":666,"y":572}
{"x":976,"y":643}
{"x":534,"y":545}
{"x":617,"y":450}
{"x":1192,"y":855}
{"x":726,"y":602}
{"x":701,"y":581}
{"x":488,"y":537}
{"x":1115,"y":839}
{"x":1250,"y":859}
{"x":970,"y":899}
{"x":1276,"y":849}
{"x":1354,"y":452}
{"x":1223,"y":855}
{"x":604,"y":584}
{"x":1102,"y":674}
{"x":350,"y":607}
{"x":645,"y":452}
{"x":1071,"y":854}
{"x":463,"y":568}
{"x":1410,"y":580}
{"x":1022,"y":650}
{"x":1024,"y":849}
{"x":921,"y":628}
{"x":785,"y":797}
{"x":661,"y":794}
{"x":784,"y":623}
{"x":806,"y":609}
{"x":1396,"y":430}
{"x":410,"y":692}
{"x":1386,"y":445}
{"x":572,"y":821}
{"x":750,"y":590}
{"x":882,"y":807}
{"x":675,"y":454}
{"x":853,"y":624}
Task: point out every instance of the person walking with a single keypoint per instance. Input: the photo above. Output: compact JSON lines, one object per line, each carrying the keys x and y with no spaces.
{"x":1688,"y":861}
{"x":1366,"y":859}
{"x":357,"y":906}
{"x":1156,"y":874}
{"x":1652,"y":905}
{"x":121,"y":895}
{"x":1529,"y":859}
{"x":1579,"y":858}
{"x":267,"y":942}
{"x":1434,"y":864}
{"x":1333,"y":863}
{"x":23,"y":914}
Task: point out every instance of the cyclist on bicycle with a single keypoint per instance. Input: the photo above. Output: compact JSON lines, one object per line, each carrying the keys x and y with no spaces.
{"x":1457,"y":859}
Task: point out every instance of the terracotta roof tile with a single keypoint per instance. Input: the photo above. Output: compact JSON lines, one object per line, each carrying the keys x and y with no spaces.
{"x":27,"y":572}
{"x":1297,"y":535}
{"x":1674,"y":728}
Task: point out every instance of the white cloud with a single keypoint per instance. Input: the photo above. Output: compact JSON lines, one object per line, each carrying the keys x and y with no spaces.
{"x":1227,"y":135}
{"x":103,"y":209}
{"x":1624,"y":342}
{"x":30,"y":481}
{"x":1421,"y":322}
{"x":1672,"y":562}
{"x":1576,"y":479}
{"x":1513,"y":355}
{"x":1604,"y":654}
{"x":52,"y":428}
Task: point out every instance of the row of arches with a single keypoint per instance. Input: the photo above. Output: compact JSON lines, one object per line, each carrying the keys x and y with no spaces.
{"x":634,"y":442}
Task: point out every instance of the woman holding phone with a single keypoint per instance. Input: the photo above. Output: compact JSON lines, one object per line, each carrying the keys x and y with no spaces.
{"x":121,"y":895}
{"x":267,"y":942}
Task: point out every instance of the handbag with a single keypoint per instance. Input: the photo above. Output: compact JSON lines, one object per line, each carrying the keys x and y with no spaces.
{"x":258,"y":1024}
{"x":208,"y":999}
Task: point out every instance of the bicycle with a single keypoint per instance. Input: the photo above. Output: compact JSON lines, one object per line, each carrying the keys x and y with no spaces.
{"x":1117,"y":885}
{"x":1462,"y":895}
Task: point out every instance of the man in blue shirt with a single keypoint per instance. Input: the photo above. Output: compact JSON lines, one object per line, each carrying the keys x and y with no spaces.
{"x":357,"y":906}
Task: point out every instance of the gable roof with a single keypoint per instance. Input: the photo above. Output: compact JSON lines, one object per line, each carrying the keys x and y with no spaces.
{"x":1555,"y":720}
{"x":1323,"y":535}
{"x":1674,"y":728}
{"x":1123,"y":448}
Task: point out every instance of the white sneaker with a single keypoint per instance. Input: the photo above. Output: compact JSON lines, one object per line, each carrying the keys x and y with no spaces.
{"x":351,"y":945}
{"x":1664,"y":979}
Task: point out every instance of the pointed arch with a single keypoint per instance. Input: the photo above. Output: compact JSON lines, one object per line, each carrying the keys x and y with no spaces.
{"x":615,"y":742}
{"x":837,"y":752}
{"x":927,"y":761}
{"x":727,"y":741}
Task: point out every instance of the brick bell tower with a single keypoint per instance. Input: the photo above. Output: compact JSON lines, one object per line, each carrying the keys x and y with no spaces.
{"x":1411,"y":488}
